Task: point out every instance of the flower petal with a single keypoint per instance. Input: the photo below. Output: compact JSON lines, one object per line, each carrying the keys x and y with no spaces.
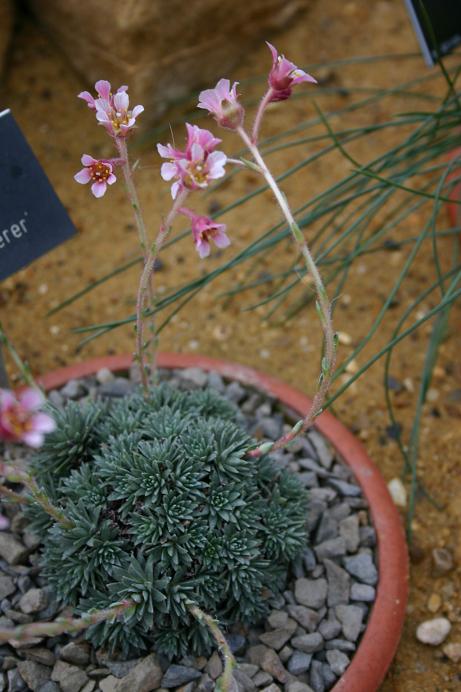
{"x":83,"y":176}
{"x":221,"y":239}
{"x":31,"y":399}
{"x":7,"y":399}
{"x":43,"y":423}
{"x":33,"y":438}
{"x":168,"y":171}
{"x":203,"y":248}
{"x":86,"y":96}
{"x":99,"y":188}
{"x":103,"y":89}
{"x":137,"y":110}
{"x":88,"y":160}
{"x":121,"y":101}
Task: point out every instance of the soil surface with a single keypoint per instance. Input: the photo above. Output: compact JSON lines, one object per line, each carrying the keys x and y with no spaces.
{"x":40,"y":89}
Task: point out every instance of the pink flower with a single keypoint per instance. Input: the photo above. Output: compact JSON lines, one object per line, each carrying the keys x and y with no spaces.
{"x":205,"y":229}
{"x":4,"y":522}
{"x":112,"y":110}
{"x":197,"y":165}
{"x":222,"y":103}
{"x":20,"y":418}
{"x":284,"y":75}
{"x":97,"y":171}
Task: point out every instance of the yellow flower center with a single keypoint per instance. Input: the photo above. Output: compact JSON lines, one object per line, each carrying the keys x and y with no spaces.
{"x":100,"y":172}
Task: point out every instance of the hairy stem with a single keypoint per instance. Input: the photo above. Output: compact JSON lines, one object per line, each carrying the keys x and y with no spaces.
{"x":143,"y":241}
{"x":20,"y":364}
{"x":63,"y":624}
{"x":146,"y":281}
{"x":323,"y":306}
{"x":223,"y":684}
{"x":11,"y":496}
{"x":18,"y":476}
{"x":259,"y":115}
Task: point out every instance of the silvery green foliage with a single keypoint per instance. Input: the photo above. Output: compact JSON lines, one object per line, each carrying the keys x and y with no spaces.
{"x":167,"y":508}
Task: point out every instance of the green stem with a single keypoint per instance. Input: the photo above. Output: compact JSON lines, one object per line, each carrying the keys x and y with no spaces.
{"x":224,"y":682}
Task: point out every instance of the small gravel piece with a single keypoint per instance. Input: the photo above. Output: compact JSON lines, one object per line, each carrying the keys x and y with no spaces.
{"x":296,"y":686}
{"x":453,"y":651}
{"x":34,"y":674}
{"x":308,"y":643}
{"x":33,"y":601}
{"x":442,"y":560}
{"x":311,"y":592}
{"x":433,"y":632}
{"x":336,"y":547}
{"x":363,"y":592}
{"x":350,"y":617}
{"x":70,"y":678}
{"x":362,"y":567}
{"x":299,"y":663}
{"x":7,"y":587}
{"x":338,"y":583}
{"x":338,"y":661}
{"x":11,"y":549}
{"x":276,"y":639}
{"x":175,"y":676}
{"x":268,"y":660}
{"x":349,"y":530}
{"x":306,"y":617}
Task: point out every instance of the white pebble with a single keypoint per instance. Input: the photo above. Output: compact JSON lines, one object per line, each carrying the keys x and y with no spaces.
{"x":398,"y":492}
{"x":433,"y":632}
{"x":104,"y":375}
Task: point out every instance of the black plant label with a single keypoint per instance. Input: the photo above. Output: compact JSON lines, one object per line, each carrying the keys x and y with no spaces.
{"x":32,"y":219}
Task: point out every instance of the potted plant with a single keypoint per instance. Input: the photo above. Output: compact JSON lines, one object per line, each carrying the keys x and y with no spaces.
{"x":161,"y":517}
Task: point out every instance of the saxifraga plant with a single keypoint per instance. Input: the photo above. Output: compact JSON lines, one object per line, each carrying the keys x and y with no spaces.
{"x":167,"y":509}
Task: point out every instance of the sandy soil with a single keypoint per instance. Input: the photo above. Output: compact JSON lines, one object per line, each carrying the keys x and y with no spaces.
{"x":41,"y":90}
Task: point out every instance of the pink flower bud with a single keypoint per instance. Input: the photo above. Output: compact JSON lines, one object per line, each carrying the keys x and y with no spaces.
{"x":284,"y":75}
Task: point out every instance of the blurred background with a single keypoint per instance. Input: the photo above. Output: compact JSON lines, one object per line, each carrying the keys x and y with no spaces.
{"x":384,"y":240}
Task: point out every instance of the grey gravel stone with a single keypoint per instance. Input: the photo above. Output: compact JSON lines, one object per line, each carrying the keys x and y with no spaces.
{"x":306,"y":617}
{"x":178,"y":675}
{"x":311,"y":592}
{"x":338,"y":661}
{"x":262,"y":678}
{"x":367,"y":536}
{"x":33,"y":601}
{"x":276,"y":639}
{"x":308,"y":643}
{"x":330,"y":628}
{"x":11,"y":549}
{"x":277,"y":618}
{"x":309,"y":559}
{"x":244,"y":681}
{"x":328,"y":675}
{"x":362,"y":567}
{"x":40,"y":654}
{"x":235,"y":392}
{"x":15,"y":681}
{"x":268,"y":660}
{"x":50,"y":686}
{"x":285,"y":653}
{"x":335,"y":547}
{"x":120,"y":669}
{"x":324,"y":451}
{"x":70,"y":678}
{"x":237,"y":642}
{"x":76,"y":652}
{"x":296,"y":686}
{"x":327,"y":528}
{"x":434,"y":631}
{"x":7,"y":587}
{"x":362,"y":592}
{"x":214,"y":666}
{"x":350,"y":617}
{"x":346,"y":489}
{"x":34,"y":674}
{"x":216,"y":382}
{"x":299,"y":663}
{"x":104,"y":375}
{"x":116,"y":388}
{"x":249,"y":669}
{"x":315,"y":509}
{"x":341,"y":645}
{"x":73,"y":389}
{"x":338,"y":583}
{"x":316,"y":680}
{"x":349,"y":530}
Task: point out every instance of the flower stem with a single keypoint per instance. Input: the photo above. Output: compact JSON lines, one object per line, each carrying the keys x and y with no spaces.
{"x":18,"y":476}
{"x":20,"y":364}
{"x":146,"y":281}
{"x":11,"y":496}
{"x":143,"y":241}
{"x":63,"y":624}
{"x":259,"y":115}
{"x":224,"y":683}
{"x":323,"y":307}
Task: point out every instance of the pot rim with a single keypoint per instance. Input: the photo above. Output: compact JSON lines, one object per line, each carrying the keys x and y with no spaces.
{"x":382,"y":634}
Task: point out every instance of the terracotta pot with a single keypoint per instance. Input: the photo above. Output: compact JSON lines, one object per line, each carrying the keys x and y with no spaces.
{"x":379,"y":642}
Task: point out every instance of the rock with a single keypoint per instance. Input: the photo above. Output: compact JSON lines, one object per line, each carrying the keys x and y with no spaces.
{"x":6,"y":25}
{"x":51,"y":686}
{"x":346,"y":489}
{"x":89,"y":687}
{"x":268,"y":660}
{"x":175,"y":676}
{"x":338,"y":661}
{"x":237,"y":642}
{"x":34,"y":674}
{"x":77,"y":653}
{"x":308,"y":643}
{"x":350,"y":617}
{"x":249,"y":669}
{"x":214,"y":666}
{"x":341,"y":645}
{"x":367,"y":536}
{"x":338,"y":583}
{"x":271,"y":688}
{"x":104,"y":375}
{"x":349,"y":530}
{"x":324,"y":452}
{"x":285,"y":653}
{"x":296,"y":686}
{"x":311,"y":592}
{"x":205,"y":684}
{"x":453,"y":651}
{"x":398,"y":492}
{"x":362,"y":567}
{"x":442,"y":560}
{"x":315,"y":509}
{"x":108,"y":684}
{"x":235,"y":392}
{"x":70,"y":678}
{"x":335,"y":547}
{"x":73,"y":389}
{"x":362,"y":592}
{"x":299,"y":663}
{"x":277,"y":619}
{"x":434,"y":602}
{"x":276,"y":639}
{"x":15,"y":681}
{"x":7,"y":587}
{"x":309,"y":559}
{"x":216,"y":382}
{"x":11,"y":549}
{"x":433,"y":632}
{"x":327,"y":528}
{"x":306,"y":617}
{"x":194,"y":376}
{"x":33,"y":601}
{"x":116,"y":388}
{"x":41,"y":655}
{"x":262,"y":679}
{"x":329,"y":629}
{"x":315,"y":677}
{"x":244,"y":681}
